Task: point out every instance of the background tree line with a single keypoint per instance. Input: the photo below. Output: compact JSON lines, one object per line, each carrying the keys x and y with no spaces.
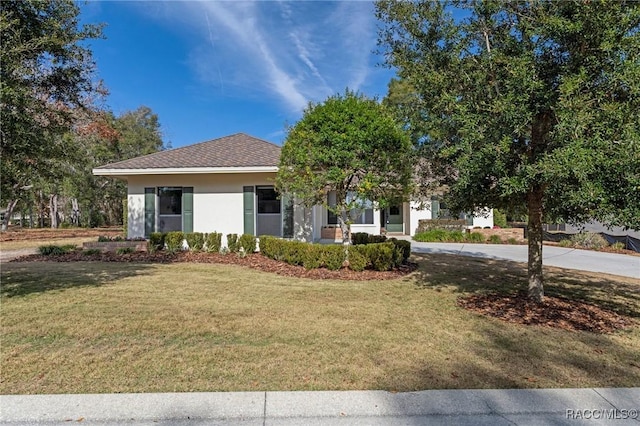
{"x":54,"y":128}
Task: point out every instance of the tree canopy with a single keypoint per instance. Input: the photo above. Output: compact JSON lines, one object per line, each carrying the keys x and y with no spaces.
{"x":523,"y":105}
{"x":46,"y":75}
{"x":351,"y":145}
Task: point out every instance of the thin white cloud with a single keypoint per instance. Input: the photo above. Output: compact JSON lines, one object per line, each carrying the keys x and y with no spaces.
{"x":295,"y":52}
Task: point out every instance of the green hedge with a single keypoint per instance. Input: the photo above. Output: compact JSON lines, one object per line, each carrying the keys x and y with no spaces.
{"x":379,"y":256}
{"x":174,"y":240}
{"x":444,"y":236}
{"x":213,"y":242}
{"x":195,"y":240}
{"x":156,"y":241}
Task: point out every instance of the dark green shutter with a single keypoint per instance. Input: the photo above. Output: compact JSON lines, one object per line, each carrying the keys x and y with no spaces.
{"x":287,"y":216}
{"x":149,"y":211}
{"x":249,"y":217}
{"x":187,"y":209}
{"x":435,"y":209}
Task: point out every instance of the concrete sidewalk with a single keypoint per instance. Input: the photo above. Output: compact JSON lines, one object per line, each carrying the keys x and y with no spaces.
{"x":439,"y":407}
{"x":584,"y":260}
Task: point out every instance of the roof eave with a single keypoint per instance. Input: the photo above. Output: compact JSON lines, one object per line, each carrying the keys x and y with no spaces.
{"x":183,"y":171}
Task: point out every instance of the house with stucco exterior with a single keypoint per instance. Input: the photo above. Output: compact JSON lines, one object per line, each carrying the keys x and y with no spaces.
{"x":226,"y":185}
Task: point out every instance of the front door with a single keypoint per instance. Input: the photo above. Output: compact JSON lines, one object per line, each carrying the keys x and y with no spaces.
{"x":269,"y":214}
{"x":394,"y":219}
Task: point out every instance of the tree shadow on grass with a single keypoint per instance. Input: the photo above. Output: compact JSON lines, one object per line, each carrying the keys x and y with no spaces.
{"x":21,"y":279}
{"x":471,"y":275}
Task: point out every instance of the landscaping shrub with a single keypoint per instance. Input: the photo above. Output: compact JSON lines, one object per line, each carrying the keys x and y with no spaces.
{"x":195,"y":240}
{"x":439,"y":235}
{"x":495,"y":239}
{"x":91,"y":252}
{"x":232,"y":243}
{"x":269,"y":247}
{"x":357,"y":261}
{"x":358,"y":238}
{"x":589,"y":240}
{"x":381,"y":256}
{"x":512,"y":240}
{"x":174,"y":240}
{"x":403,"y":246}
{"x":475,"y":237}
{"x":124,"y":250}
{"x":247,"y":242}
{"x":618,"y":245}
{"x":334,"y":256}
{"x":54,"y":250}
{"x":313,"y":256}
{"x":565,"y":243}
{"x":213,"y":242}
{"x":156,"y":241}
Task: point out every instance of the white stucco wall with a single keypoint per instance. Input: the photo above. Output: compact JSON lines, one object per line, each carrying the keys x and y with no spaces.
{"x":418,"y":211}
{"x":217,"y":199}
{"x":483,"y":218}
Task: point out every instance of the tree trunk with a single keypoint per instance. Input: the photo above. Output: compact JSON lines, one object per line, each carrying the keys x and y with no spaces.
{"x":534,"y":238}
{"x":345,"y":228}
{"x":53,"y":210}
{"x":7,"y":214}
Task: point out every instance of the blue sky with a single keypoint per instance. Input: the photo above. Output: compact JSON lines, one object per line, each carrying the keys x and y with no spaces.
{"x":214,"y":68}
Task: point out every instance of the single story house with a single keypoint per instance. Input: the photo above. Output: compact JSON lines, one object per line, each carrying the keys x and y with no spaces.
{"x":226,"y":185}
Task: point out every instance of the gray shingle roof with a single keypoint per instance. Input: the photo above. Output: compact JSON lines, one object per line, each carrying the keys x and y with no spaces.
{"x":239,"y":150}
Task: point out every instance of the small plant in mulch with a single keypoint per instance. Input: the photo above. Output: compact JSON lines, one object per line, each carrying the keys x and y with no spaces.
{"x":554,"y":312}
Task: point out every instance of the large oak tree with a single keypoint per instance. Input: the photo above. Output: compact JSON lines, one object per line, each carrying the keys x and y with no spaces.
{"x":46,"y":75}
{"x":524,"y":104}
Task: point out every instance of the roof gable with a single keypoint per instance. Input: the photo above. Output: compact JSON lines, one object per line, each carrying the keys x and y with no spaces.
{"x":239,"y":150}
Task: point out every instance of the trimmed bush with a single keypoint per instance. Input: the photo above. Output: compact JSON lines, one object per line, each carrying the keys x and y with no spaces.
{"x":357,"y":261}
{"x":124,"y":250}
{"x":313,"y":256}
{"x":512,"y":240}
{"x":195,"y":240}
{"x":360,"y":238}
{"x":174,"y":240}
{"x":232,"y":243}
{"x":156,"y":241}
{"x":403,"y":246}
{"x":334,"y":256}
{"x":248,"y":243}
{"x":55,"y":250}
{"x":213,"y":242}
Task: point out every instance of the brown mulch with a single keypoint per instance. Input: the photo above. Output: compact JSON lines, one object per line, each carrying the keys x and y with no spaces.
{"x":254,"y":261}
{"x":554,"y":312}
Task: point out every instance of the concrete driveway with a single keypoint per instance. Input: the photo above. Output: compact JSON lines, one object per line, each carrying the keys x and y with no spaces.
{"x":584,"y":260}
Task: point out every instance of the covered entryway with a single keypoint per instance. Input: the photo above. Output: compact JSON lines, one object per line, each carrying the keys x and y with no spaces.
{"x":394,"y":219}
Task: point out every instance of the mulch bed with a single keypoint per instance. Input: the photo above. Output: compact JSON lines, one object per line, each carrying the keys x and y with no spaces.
{"x":255,"y":261}
{"x":554,"y":312}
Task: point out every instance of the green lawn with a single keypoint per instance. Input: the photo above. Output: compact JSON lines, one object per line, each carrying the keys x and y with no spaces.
{"x":123,"y":327}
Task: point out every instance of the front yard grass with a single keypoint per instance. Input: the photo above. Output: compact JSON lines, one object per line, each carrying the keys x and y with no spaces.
{"x":90,"y":327}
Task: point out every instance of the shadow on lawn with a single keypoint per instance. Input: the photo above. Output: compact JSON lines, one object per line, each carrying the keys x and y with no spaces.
{"x":476,"y":275}
{"x":21,"y":279}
